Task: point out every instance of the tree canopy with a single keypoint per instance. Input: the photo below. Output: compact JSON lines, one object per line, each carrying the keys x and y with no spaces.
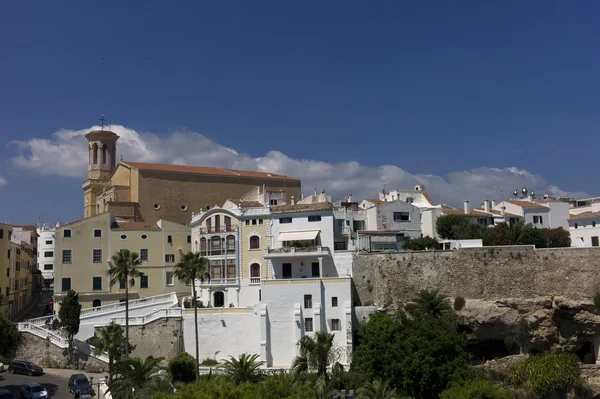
{"x":69,"y":318}
{"x":9,"y":337}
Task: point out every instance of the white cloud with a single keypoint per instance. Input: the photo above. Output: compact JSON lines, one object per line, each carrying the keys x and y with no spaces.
{"x":65,"y":155}
{"x":3,"y":182}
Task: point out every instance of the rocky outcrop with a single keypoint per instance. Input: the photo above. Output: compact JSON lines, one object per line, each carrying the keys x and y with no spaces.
{"x":534,"y":325}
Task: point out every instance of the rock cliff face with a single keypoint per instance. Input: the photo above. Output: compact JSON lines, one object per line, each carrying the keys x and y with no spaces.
{"x":534,"y":325}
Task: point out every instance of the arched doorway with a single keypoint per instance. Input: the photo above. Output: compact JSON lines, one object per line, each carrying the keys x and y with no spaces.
{"x":219,"y":299}
{"x":96,"y":303}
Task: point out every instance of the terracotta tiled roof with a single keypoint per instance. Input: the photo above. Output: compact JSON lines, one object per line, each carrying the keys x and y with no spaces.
{"x":527,"y":204}
{"x":376,"y":201}
{"x":203,"y":170}
{"x":498,"y":213}
{"x":448,"y":210}
{"x":428,"y":198}
{"x":319,"y":206}
{"x":585,"y":215}
{"x":124,"y":225}
{"x":26,"y":227}
{"x":250,"y":204}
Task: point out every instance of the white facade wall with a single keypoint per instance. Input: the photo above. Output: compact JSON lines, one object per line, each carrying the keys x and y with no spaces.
{"x":46,"y":242}
{"x":428,"y":221}
{"x":530,"y":214}
{"x":371,"y":223}
{"x":581,"y":236}
{"x":559,"y":215}
{"x":300,"y":222}
{"x":343,"y":263}
{"x":223,"y":333}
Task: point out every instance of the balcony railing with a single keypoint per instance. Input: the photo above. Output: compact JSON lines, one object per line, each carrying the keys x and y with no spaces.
{"x":254,"y":280}
{"x":217,"y":252}
{"x":220,"y":229}
{"x":219,"y":281}
{"x":296,"y":251}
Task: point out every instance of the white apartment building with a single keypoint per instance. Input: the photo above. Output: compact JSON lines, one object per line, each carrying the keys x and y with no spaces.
{"x":46,"y":246}
{"x":542,"y":213}
{"x":584,"y":222}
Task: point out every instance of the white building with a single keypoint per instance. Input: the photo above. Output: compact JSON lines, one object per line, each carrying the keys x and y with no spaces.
{"x":46,"y":244}
{"x":275,"y":277}
{"x":584,"y":223}
{"x":541,"y":213}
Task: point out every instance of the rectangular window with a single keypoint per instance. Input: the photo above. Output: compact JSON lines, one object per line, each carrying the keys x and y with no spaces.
{"x":308,"y":324}
{"x":247,"y":222}
{"x":538,"y":220}
{"x":66,"y":284}
{"x":189,"y":239}
{"x":272,"y":202}
{"x":67,"y":233}
{"x":307,"y":301}
{"x":340,"y":246}
{"x":48,"y":242}
{"x":314,"y":218}
{"x":260,"y":221}
{"x":170,"y":279}
{"x":401,"y":216}
{"x":66,"y":256}
{"x":170,"y":239}
{"x":47,"y":254}
{"x":315,"y":269}
{"x":286,"y":270}
{"x":334,"y":303}
{"x":121,"y":284}
{"x":253,"y":222}
{"x":335,"y":325}
{"x":48,"y":267}
{"x":144,"y":281}
{"x":97,"y":256}
{"x":97,"y":233}
{"x":169,"y":258}
{"x":144,"y":254}
{"x":97,"y":283}
{"x":595,"y":241}
{"x":1,"y":234}
{"x":285,"y":220}
{"x":8,"y":272}
{"x":18,"y":265}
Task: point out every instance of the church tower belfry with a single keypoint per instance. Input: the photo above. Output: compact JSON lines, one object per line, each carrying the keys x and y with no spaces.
{"x":102,"y":161}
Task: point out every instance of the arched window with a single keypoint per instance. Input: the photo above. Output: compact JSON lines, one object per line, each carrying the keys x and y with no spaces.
{"x":215,"y":246}
{"x":254,"y":242}
{"x":254,"y":270}
{"x":219,"y":299}
{"x":104,"y":154}
{"x":95,"y":153}
{"x":230,"y":244}
{"x":96,"y":303}
{"x":203,"y":246}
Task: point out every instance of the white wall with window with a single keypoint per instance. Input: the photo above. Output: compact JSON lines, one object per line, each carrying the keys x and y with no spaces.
{"x":46,"y":244}
{"x":584,"y":229}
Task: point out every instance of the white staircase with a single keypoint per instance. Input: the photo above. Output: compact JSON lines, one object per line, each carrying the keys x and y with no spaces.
{"x":141,"y":311}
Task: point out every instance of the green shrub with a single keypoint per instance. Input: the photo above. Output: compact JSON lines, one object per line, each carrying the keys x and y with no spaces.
{"x":186,"y":304}
{"x":368,"y":303}
{"x":209,"y":362}
{"x":182,"y":367}
{"x":548,"y":373}
{"x":420,"y":244}
{"x":459,"y":303}
{"x":476,"y":389}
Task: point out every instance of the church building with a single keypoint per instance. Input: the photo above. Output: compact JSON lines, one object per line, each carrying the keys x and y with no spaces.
{"x":146,"y":192}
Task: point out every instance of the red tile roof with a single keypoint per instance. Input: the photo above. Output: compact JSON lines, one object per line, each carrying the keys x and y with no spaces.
{"x":527,"y":204}
{"x":318,"y":206}
{"x":428,"y":198}
{"x":26,"y":227}
{"x":585,"y":215}
{"x":204,"y":170}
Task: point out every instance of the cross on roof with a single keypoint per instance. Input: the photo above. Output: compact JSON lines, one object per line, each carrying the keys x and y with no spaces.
{"x":102,"y":119}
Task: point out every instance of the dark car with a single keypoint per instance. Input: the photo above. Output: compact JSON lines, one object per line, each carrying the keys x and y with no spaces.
{"x":4,"y":394}
{"x":24,"y":367}
{"x":80,"y":385}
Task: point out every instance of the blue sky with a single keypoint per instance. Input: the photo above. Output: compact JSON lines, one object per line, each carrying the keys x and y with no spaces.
{"x":469,"y":97}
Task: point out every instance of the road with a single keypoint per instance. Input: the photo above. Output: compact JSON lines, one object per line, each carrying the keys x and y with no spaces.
{"x":56,"y":386}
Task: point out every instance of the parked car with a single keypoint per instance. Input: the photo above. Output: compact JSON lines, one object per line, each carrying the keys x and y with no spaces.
{"x":79,"y":385}
{"x":2,"y":368}
{"x":23,"y":367}
{"x":4,"y":394}
{"x":34,"y":391}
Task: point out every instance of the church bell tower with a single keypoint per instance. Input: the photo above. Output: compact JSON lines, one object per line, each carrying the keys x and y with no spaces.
{"x":102,"y":160}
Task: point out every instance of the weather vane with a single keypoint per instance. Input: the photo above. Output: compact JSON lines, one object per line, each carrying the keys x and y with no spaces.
{"x":102,"y":120}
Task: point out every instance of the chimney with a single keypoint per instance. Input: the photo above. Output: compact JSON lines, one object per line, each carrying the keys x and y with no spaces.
{"x":502,"y":210}
{"x":293,"y":200}
{"x":315,"y":191}
{"x":486,"y":205}
{"x":302,"y":195}
{"x":466,"y":204}
{"x":349,"y":198}
{"x":493,"y":204}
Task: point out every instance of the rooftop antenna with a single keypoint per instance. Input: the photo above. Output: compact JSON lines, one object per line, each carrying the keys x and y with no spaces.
{"x":102,"y":119}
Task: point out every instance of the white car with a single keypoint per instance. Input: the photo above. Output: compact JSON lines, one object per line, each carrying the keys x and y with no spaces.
{"x":2,"y":368}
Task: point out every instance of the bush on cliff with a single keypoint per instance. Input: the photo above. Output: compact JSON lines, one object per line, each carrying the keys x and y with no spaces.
{"x":476,"y":389}
{"x":182,"y":367}
{"x":420,"y":244}
{"x":9,"y":338}
{"x":558,"y":238}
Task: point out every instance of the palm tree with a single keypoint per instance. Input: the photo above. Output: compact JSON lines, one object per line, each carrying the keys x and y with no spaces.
{"x":315,"y":354}
{"x":377,"y":389}
{"x":244,"y":369}
{"x":110,"y":340}
{"x":157,"y":384}
{"x":191,"y":267}
{"x":124,"y":269}
{"x":133,"y":376}
{"x":432,"y":303}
